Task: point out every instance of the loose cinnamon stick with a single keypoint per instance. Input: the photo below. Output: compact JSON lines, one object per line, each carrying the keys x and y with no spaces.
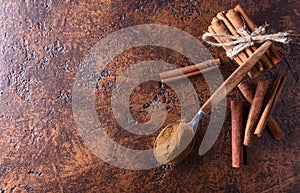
{"x":190,"y":69}
{"x":191,"y":74}
{"x":276,"y":91}
{"x":220,"y":28}
{"x":274,"y":129}
{"x":238,"y":23}
{"x":255,"y":110}
{"x":274,"y":53}
{"x":273,"y":126}
{"x":247,"y":90}
{"x":236,"y":132}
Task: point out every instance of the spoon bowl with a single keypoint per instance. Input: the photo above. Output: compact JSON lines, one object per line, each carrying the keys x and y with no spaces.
{"x":174,"y":143}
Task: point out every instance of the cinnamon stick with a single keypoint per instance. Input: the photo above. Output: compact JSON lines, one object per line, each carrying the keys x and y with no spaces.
{"x":236,"y":132}
{"x":190,"y":69}
{"x":274,"y":52}
{"x":191,"y":74}
{"x":220,"y":28}
{"x":247,"y":90}
{"x":238,"y":23}
{"x":227,"y":23}
{"x":255,"y":110}
{"x":274,"y":129}
{"x":276,"y":91}
{"x":273,"y":126}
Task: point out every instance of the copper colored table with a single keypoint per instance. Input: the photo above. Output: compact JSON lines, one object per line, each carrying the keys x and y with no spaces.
{"x":42,"y":46}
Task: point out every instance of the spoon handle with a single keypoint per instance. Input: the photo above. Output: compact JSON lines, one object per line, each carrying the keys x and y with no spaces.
{"x":196,"y":119}
{"x":234,"y":79}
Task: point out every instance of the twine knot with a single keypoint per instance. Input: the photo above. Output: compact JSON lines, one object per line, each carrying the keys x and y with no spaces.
{"x":246,"y":39}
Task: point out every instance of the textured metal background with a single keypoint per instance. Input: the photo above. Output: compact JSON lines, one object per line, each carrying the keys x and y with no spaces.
{"x":41,"y":45}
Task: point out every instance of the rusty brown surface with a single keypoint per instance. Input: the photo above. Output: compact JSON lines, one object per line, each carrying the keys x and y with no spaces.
{"x":42,"y":43}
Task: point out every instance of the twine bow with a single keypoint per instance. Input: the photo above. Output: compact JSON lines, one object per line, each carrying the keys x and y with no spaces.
{"x":246,"y":40}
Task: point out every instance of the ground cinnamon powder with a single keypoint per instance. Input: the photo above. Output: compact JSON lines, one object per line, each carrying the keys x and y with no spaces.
{"x":174,"y":143}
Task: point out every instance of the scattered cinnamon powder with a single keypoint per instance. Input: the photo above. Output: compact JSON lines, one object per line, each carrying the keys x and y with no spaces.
{"x":174,"y":143}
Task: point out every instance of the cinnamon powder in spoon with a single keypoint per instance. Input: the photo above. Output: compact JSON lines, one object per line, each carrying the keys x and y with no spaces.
{"x":174,"y":143}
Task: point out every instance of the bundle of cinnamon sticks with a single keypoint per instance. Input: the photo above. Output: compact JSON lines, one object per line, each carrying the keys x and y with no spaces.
{"x":229,"y":23}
